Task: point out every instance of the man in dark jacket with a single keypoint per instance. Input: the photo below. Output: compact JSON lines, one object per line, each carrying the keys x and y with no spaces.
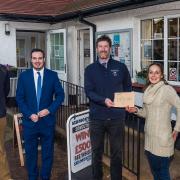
{"x":4,"y":91}
{"x":102,"y":79}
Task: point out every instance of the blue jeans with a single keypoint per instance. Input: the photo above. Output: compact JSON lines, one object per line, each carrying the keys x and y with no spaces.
{"x":115,"y":130}
{"x":159,"y":166}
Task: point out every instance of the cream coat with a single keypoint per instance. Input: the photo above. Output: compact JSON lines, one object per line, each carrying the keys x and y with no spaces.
{"x":158,"y":100}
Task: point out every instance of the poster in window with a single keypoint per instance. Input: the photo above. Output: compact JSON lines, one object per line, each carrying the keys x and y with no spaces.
{"x":172,"y":74}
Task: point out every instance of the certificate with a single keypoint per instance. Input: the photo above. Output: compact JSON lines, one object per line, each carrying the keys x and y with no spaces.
{"x":124,"y":99}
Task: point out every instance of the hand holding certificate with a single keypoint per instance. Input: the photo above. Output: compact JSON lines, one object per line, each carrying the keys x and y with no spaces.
{"x":124,"y":99}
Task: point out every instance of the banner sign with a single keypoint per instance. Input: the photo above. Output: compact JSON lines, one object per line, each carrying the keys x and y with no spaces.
{"x":78,"y":142}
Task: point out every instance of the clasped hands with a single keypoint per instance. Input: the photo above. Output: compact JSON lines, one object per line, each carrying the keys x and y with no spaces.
{"x":40,"y":114}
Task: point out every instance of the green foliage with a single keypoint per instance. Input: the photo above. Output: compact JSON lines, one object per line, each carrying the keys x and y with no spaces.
{"x":142,"y":74}
{"x":12,"y":70}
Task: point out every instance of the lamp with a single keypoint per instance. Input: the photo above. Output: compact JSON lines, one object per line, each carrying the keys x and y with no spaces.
{"x":7,"y":29}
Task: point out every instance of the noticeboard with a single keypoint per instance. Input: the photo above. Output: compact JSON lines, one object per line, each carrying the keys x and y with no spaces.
{"x":121,"y":45}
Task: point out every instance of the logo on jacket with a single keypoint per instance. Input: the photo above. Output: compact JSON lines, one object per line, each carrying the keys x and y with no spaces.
{"x":114,"y":72}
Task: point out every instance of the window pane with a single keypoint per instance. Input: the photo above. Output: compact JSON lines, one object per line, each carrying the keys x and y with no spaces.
{"x":56,"y":39}
{"x":179,"y":49}
{"x":178,"y":76}
{"x":52,"y":38}
{"x":145,"y":63}
{"x":158,"y":50}
{"x":146,"y":49}
{"x":61,"y":39}
{"x":52,"y":64}
{"x":146,"y":29}
{"x":57,"y":51}
{"x":172,"y":71}
{"x":158,"y":28}
{"x":172,"y":27}
{"x":172,"y":49}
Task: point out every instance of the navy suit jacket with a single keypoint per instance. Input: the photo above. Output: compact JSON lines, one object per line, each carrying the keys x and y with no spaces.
{"x":52,"y":96}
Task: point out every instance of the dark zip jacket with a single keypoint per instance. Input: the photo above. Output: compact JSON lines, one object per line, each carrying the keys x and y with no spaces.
{"x":4,"y":89}
{"x":102,"y":83}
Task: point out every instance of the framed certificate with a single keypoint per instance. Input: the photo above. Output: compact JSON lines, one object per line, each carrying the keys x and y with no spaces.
{"x":124,"y":99}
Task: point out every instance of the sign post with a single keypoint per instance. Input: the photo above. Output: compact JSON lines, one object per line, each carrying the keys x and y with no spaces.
{"x":18,"y":131}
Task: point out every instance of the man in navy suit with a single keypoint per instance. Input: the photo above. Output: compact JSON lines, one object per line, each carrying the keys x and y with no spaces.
{"x":39,"y":94}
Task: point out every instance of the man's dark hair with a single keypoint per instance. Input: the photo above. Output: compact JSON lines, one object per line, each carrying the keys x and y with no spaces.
{"x":104,"y":38}
{"x":37,"y":50}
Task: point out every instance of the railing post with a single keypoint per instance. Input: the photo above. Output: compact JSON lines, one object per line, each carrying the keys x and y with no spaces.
{"x":76,"y":98}
{"x":138,"y":150}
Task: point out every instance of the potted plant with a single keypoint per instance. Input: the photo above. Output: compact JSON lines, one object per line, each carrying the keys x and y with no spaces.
{"x":12,"y":70}
{"x":141,"y":76}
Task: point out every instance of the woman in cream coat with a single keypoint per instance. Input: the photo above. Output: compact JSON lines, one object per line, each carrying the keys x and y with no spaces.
{"x":158,"y":99}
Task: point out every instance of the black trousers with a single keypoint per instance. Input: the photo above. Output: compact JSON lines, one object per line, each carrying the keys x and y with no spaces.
{"x":115,"y":130}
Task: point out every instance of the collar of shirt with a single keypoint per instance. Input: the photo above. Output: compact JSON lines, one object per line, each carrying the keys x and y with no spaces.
{"x":41,"y":72}
{"x":101,"y":61}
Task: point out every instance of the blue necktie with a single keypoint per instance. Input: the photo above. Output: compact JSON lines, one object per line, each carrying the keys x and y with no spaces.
{"x":38,"y":88}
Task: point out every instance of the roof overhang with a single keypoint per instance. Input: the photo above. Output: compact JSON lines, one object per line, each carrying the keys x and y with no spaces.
{"x":105,"y":9}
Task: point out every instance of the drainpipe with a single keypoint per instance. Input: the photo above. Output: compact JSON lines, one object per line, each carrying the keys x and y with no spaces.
{"x":94,"y":34}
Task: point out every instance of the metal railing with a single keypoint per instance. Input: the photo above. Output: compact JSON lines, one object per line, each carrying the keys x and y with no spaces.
{"x":131,"y":144}
{"x":75,"y":101}
{"x":134,"y":126}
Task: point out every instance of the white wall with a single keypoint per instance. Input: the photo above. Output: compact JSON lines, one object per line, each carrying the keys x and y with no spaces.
{"x":8,"y":46}
{"x":8,"y":42}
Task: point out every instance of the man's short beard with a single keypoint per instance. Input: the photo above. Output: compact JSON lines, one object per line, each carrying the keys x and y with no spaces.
{"x":108,"y":55}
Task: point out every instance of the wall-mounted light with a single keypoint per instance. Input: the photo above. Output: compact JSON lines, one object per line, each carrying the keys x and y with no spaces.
{"x":7,"y":29}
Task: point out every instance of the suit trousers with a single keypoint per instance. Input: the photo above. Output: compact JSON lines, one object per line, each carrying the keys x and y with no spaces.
{"x":114,"y":128}
{"x":43,"y":134}
{"x":4,"y":168}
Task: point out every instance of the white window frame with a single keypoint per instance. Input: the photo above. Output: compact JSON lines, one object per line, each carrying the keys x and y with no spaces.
{"x":176,"y":83}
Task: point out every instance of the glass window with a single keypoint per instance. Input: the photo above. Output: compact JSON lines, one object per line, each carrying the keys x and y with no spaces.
{"x":172,"y":27}
{"x":158,"y":28}
{"x":152,"y":41}
{"x":173,"y":49}
{"x":20,"y":53}
{"x":146,"y":29}
{"x":57,"y":51}
{"x":152,"y":45}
